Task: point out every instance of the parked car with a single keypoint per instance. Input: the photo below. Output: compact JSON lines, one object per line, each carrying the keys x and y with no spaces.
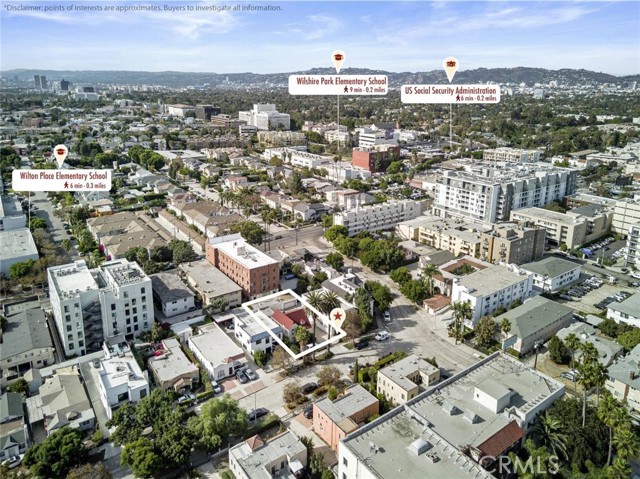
{"x":566,"y":297}
{"x":387,"y":317}
{"x":258,"y":413}
{"x":308,"y":411}
{"x":362,"y":344}
{"x":636,"y":275}
{"x":625,"y":270}
{"x":13,"y":461}
{"x":289,"y":276}
{"x":242,"y":377}
{"x":382,"y":336}
{"x":252,"y":376}
{"x":309,"y":387}
{"x":216,"y":387}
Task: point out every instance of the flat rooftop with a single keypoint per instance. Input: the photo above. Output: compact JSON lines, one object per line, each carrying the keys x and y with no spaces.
{"x":25,"y":332}
{"x":254,"y":460}
{"x":169,"y":287}
{"x":255,"y":329}
{"x":209,"y":280}
{"x":356,"y":398}
{"x":123,"y":272}
{"x":489,"y":280}
{"x":399,"y":371}
{"x":214,"y":345}
{"x":173,"y":363}
{"x":119,"y":370}
{"x":69,"y":278}
{"x":547,"y":215}
{"x":17,"y":244}
{"x":10,"y":206}
{"x":237,"y":248}
{"x":389,"y":448}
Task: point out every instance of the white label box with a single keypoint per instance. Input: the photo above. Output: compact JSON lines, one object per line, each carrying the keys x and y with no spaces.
{"x":61,"y":180}
{"x":459,"y":94}
{"x":338,"y":84}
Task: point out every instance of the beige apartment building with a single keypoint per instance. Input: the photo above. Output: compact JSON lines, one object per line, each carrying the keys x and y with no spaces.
{"x":574,"y":228}
{"x":404,"y":380}
{"x":512,"y":243}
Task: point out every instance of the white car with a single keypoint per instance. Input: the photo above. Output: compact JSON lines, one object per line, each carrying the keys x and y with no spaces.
{"x":382,"y":336}
{"x":636,"y":275}
{"x":387,"y":317}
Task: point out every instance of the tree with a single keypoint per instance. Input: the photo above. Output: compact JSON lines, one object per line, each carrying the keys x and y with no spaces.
{"x":429,"y":271}
{"x":400,"y":275}
{"x":250,"y":231}
{"x":461,"y":312}
{"x":292,"y":392}
{"x":21,"y":269}
{"x":66,"y":244}
{"x":280,"y":358}
{"x":346,"y":246}
{"x":295,"y":184}
{"x":161,"y":254}
{"x":608,"y":413}
{"x":36,"y":223}
{"x":414,"y":290}
{"x":629,"y":339}
{"x":329,"y":376}
{"x":316,"y":300}
{"x":381,"y":294}
{"x":485,"y":329}
{"x":362,"y":301}
{"x":137,"y":254}
{"x":335,"y":232}
{"x":302,"y":336}
{"x":626,"y":442}
{"x":57,"y":454}
{"x":332,"y":393}
{"x":20,"y":386}
{"x":547,"y":431}
{"x":505,"y":326}
{"x":573,"y":343}
{"x":557,"y":350}
{"x":335,"y":260}
{"x":89,"y":471}
{"x":182,"y":251}
{"x":351,"y":325}
{"x":141,"y":456}
{"x":221,"y":417}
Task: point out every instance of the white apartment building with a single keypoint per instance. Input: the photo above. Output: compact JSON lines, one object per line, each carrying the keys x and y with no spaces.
{"x":627,"y":311}
{"x":491,"y":193}
{"x":121,"y":379}
{"x":264,"y":116}
{"x":252,"y":336}
{"x":633,"y":246}
{"x":552,"y":274}
{"x":348,"y":199}
{"x":16,"y":246}
{"x":172,"y":295}
{"x":369,"y":138}
{"x":625,"y":215}
{"x":376,"y":217}
{"x":11,"y":215}
{"x":343,"y":171}
{"x":511,"y":155}
{"x":489,"y":288}
{"x":217,"y":353}
{"x":89,"y":305}
{"x":296,"y":157}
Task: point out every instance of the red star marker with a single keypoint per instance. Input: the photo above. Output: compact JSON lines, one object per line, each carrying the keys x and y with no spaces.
{"x":337,"y":316}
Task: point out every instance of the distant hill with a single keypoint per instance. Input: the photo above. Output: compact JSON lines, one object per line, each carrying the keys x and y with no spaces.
{"x":529,"y":76}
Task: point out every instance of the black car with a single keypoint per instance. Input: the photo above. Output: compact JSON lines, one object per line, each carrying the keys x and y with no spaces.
{"x":242,"y":377}
{"x":309,"y":387}
{"x":362,"y":344}
{"x":308,"y":411}
{"x":258,"y":413}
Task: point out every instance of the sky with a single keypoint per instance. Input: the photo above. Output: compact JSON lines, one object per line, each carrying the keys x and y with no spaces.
{"x":298,"y":35}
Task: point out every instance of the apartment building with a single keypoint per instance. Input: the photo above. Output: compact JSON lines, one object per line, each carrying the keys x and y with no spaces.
{"x":172,"y":369}
{"x":283,"y":456}
{"x":489,"y":194}
{"x":633,"y":246}
{"x":121,"y":379}
{"x":16,"y":246}
{"x":402,"y":381}
{"x":625,"y":215}
{"x":455,"y":235}
{"x":489,"y":288}
{"x":511,"y":155}
{"x":11,"y":215}
{"x":217,"y":353}
{"x":265,"y":117}
{"x":211,"y":284}
{"x":454,"y":429}
{"x":552,"y":274}
{"x":252,"y":335}
{"x":573,"y":228}
{"x":255,"y":272}
{"x":334,"y":419}
{"x":371,"y":137}
{"x":171,"y":294}
{"x":14,"y":432}
{"x":377,"y":217}
{"x":624,"y":379}
{"x":374,"y":158}
{"x":512,"y":243}
{"x":89,"y":305}
{"x":627,"y":311}
{"x":297,"y":157}
{"x":205,"y":112}
{"x":25,"y":344}
{"x":348,"y":199}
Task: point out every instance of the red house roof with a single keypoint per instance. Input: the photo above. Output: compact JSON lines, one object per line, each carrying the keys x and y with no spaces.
{"x":294,"y":317}
{"x":502,"y":440}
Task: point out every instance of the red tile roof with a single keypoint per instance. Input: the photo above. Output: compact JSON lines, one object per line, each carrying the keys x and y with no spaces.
{"x":502,"y":440}
{"x":255,"y":442}
{"x":294,"y":317}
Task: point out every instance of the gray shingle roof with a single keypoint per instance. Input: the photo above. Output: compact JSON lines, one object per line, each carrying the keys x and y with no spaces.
{"x":550,"y":266}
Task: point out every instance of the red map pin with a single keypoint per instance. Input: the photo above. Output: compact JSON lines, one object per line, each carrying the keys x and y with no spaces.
{"x":337,"y":317}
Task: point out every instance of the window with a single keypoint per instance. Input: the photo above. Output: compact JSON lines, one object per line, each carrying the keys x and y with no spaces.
{"x":345,"y":462}
{"x":80,"y":343}
{"x":126,"y":295}
{"x":67,"y":318}
{"x":68,"y":328}
{"x":113,"y":307}
{"x":142,"y":290}
{"x":70,"y":337}
{"x":71,"y":346}
{"x":66,"y":309}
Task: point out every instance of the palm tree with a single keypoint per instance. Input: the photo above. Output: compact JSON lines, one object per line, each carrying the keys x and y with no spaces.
{"x":590,"y":373}
{"x":589,"y":353}
{"x":429,"y":271}
{"x":461,"y":312}
{"x":330,"y":300}
{"x":505,"y":326}
{"x":627,"y":443}
{"x":547,"y":431}
{"x":302,"y":336}
{"x":607,"y":412}
{"x":315,"y":299}
{"x":573,"y":343}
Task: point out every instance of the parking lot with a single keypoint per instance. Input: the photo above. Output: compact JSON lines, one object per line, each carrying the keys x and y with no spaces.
{"x":587,"y":302}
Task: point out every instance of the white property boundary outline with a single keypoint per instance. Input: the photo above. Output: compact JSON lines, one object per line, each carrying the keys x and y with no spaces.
{"x":258,"y":315}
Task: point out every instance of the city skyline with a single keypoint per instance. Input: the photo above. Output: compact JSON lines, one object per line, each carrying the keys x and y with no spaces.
{"x":385,"y":35}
